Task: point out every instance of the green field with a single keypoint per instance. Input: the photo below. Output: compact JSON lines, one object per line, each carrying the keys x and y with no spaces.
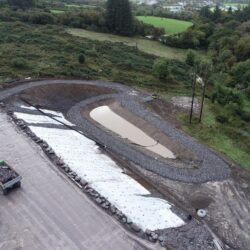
{"x":171,"y":26}
{"x":236,"y":4}
{"x":79,"y":6}
{"x":148,"y":46}
{"x":57,"y":11}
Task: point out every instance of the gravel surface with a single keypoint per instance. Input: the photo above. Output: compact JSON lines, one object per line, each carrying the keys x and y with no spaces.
{"x":212,"y":167}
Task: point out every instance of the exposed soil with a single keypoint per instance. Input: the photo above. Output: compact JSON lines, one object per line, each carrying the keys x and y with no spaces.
{"x":164,"y":109}
{"x":61,"y":97}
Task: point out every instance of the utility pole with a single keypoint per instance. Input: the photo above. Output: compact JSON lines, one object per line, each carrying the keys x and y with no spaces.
{"x":204,"y":82}
{"x":202,"y":100}
{"x":193,"y":94}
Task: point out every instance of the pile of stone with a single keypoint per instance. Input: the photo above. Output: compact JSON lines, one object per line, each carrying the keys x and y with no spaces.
{"x":6,"y":174}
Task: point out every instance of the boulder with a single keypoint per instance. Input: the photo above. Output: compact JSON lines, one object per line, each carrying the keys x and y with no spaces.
{"x":113,"y":209}
{"x":83,"y":182}
{"x":135,"y":228}
{"x":77,"y":178}
{"x":98,"y":200}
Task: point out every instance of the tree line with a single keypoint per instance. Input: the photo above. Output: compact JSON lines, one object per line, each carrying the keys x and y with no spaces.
{"x":117,"y":18}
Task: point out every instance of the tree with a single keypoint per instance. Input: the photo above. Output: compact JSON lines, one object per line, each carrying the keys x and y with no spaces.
{"x":241,"y":73}
{"x":23,"y":4}
{"x":206,"y":12}
{"x":217,"y":13}
{"x":230,"y":10}
{"x":242,"y":48}
{"x":119,"y":17}
{"x":190,"y":39}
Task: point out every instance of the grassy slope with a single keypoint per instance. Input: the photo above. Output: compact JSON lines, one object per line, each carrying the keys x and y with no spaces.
{"x":232,"y":141}
{"x":171,"y":26}
{"x":50,"y":51}
{"x":148,"y":46}
{"x":223,"y":138}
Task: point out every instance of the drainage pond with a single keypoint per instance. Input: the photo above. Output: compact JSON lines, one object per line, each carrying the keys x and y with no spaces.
{"x":117,"y":124}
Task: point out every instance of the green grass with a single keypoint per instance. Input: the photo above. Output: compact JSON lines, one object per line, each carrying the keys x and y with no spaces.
{"x":171,"y":26}
{"x":54,"y":11}
{"x":145,"y":45}
{"x":242,"y":5}
{"x":79,"y":6}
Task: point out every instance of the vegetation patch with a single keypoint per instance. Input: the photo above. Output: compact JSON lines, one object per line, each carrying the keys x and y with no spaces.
{"x":171,"y":26}
{"x":222,"y":137}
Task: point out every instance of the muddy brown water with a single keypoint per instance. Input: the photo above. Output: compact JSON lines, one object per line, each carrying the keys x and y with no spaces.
{"x":117,"y":124}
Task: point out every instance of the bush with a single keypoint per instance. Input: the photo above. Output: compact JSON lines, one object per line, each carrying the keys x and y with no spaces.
{"x":226,"y":96}
{"x":161,"y":69}
{"x":20,"y":63}
{"x":245,"y":116}
{"x":172,"y":70}
{"x":241,"y":73}
{"x":42,"y":18}
{"x":221,"y":118}
{"x":190,"y":59}
{"x":81,"y":58}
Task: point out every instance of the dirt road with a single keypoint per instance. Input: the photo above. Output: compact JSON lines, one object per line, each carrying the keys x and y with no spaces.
{"x":49,"y":212}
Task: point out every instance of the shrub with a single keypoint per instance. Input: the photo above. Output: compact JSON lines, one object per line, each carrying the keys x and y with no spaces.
{"x":190,"y":59}
{"x":226,"y":96}
{"x":161,"y":69}
{"x":241,"y":73}
{"x":20,"y":63}
{"x":42,"y":18}
{"x":81,"y":58}
{"x":221,"y":118}
{"x":245,"y":116}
